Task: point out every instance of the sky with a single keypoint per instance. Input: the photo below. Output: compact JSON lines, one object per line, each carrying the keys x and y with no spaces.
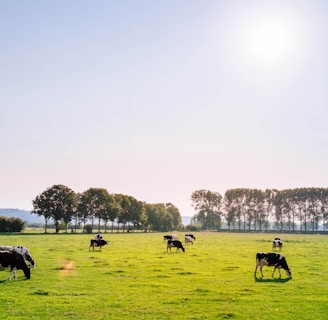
{"x":158,"y":99}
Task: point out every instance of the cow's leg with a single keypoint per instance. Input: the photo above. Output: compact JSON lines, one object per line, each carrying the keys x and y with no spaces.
{"x":255,"y":270}
{"x":261,"y":267}
{"x":258,"y":264}
{"x":12,"y":271}
{"x":279,"y":272}
{"x":274,"y":270}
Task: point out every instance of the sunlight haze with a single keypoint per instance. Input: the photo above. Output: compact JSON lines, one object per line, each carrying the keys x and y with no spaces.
{"x":157,"y":99}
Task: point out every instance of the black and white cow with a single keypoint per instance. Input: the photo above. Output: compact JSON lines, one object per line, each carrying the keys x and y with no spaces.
{"x":272,"y":259}
{"x":23,"y":251}
{"x":188,"y":240}
{"x":190,"y":235}
{"x":277,"y":243}
{"x":97,"y":243}
{"x":173,"y":236}
{"x":175,"y":244}
{"x":16,"y":262}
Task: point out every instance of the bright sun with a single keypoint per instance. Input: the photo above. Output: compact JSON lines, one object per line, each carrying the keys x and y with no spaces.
{"x":269,"y":41}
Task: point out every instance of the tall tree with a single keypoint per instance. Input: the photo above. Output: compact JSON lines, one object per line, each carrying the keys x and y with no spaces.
{"x":237,"y":205}
{"x":208,"y":206}
{"x":42,"y":207}
{"x":173,"y":211}
{"x":152,"y":216}
{"x":113,"y":209}
{"x":255,"y":199}
{"x":57,"y":202}
{"x":125,"y":202}
{"x":93,"y":204}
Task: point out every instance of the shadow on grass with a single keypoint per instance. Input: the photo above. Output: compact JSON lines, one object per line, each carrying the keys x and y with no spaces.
{"x":272,"y":280}
{"x":13,"y":280}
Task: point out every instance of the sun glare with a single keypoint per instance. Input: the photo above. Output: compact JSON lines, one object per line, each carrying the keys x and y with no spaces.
{"x":269,"y":41}
{"x":269,"y":38}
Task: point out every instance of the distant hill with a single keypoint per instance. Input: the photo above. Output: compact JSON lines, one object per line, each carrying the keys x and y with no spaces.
{"x":33,"y":218}
{"x":26,"y":216}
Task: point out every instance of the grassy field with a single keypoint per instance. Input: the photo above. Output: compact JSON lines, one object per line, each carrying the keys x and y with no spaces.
{"x":135,"y":278}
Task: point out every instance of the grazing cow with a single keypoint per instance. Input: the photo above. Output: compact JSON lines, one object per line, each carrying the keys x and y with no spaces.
{"x":98,"y":236}
{"x":275,"y":260}
{"x":277,"y":243}
{"x":173,"y":236}
{"x":97,"y":243}
{"x":23,"y":251}
{"x":188,"y":240}
{"x":16,"y":262}
{"x":175,"y":244}
{"x":190,"y":235}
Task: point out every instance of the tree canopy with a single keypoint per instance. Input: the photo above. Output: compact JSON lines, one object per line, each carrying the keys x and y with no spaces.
{"x":254,"y":209}
{"x":62,"y":205}
{"x":238,"y":209}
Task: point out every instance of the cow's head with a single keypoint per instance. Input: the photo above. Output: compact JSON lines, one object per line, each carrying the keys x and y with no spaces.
{"x":27,"y":273}
{"x":289,"y":273}
{"x":30,"y":260}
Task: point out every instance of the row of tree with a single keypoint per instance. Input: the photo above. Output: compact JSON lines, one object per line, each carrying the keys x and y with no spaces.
{"x":61,"y":204}
{"x":238,"y":209}
{"x":253,"y":209}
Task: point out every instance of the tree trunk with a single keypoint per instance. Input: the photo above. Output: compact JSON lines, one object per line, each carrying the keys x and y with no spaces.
{"x":46,"y":226}
{"x":57,"y":226}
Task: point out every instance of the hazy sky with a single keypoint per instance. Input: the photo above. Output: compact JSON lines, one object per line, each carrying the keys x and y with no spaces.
{"x":157,"y":99}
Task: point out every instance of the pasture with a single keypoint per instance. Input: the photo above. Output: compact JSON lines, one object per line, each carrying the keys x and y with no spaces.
{"x":135,"y":278}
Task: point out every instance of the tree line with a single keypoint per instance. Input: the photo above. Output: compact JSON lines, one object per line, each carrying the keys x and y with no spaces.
{"x":62,"y":205}
{"x":254,"y":209}
{"x":304,"y":209}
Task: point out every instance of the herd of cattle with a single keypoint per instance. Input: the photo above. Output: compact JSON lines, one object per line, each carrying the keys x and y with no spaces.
{"x":271,"y":259}
{"x":15,"y":257}
{"x":173,"y":242}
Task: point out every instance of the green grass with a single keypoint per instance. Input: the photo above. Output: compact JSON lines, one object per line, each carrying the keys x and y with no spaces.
{"x":135,"y":278}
